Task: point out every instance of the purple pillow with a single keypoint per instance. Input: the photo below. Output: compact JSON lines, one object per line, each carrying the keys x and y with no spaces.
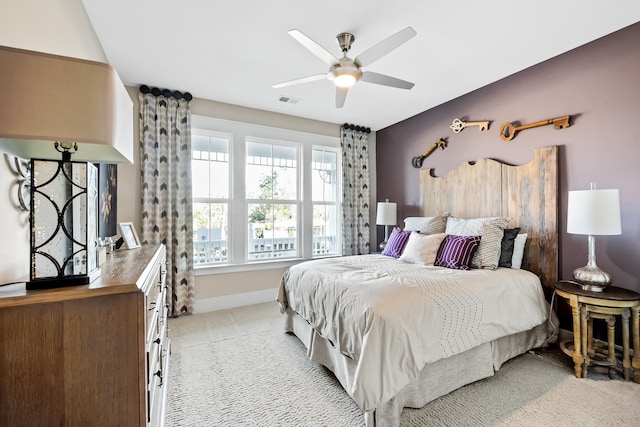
{"x":457,"y":251}
{"x":396,"y":243}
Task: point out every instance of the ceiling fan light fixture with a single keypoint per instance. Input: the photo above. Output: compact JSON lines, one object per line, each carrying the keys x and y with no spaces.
{"x":345,"y":80}
{"x":345,"y":73}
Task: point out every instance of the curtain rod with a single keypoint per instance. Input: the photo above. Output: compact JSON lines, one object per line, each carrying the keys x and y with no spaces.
{"x":165,"y":92}
{"x":356,"y":128}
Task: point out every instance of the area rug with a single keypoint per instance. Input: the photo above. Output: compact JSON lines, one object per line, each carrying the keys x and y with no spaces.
{"x":238,"y":368}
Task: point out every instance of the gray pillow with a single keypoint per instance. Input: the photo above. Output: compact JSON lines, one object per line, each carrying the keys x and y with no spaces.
{"x":426,"y":224}
{"x":491,"y":229}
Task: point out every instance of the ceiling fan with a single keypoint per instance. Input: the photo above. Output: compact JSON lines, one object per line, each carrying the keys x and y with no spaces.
{"x":345,"y":72}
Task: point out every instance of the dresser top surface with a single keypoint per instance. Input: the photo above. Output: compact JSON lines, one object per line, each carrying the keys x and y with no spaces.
{"x":124,"y":271}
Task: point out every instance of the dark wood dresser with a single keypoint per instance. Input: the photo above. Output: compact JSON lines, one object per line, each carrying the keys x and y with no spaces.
{"x":94,"y":355}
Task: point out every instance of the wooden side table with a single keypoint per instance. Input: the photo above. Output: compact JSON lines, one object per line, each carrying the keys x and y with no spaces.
{"x":588,"y":305}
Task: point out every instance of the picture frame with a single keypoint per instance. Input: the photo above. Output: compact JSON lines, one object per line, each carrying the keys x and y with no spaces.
{"x":107,"y":199}
{"x":129,"y":235}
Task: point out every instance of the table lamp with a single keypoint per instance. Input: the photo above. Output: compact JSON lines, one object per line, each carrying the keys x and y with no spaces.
{"x":594,"y":213}
{"x":386,"y":215}
{"x":58,"y":107}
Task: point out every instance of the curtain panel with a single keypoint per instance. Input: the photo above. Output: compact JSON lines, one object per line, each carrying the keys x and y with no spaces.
{"x":355,"y":190}
{"x":165,"y":166}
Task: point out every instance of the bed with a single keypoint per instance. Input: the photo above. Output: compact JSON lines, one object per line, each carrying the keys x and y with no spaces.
{"x":398,"y":334}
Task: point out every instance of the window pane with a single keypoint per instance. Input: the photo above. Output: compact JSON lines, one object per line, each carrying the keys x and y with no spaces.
{"x":272,"y":231}
{"x":285,"y":183}
{"x":210,"y":229}
{"x":200,"y":178}
{"x":210,"y":166}
{"x":325,"y":229}
{"x":219,"y":179}
{"x":324,"y":176}
{"x":259,"y":182}
{"x":271,"y":172}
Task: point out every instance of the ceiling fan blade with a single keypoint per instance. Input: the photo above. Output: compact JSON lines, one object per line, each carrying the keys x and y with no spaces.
{"x":379,"y":50}
{"x":301,"y":80}
{"x":382,"y":79}
{"x":314,"y":47}
{"x":341,"y":95}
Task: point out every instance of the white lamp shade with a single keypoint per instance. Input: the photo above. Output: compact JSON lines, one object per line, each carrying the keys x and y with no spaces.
{"x":594,"y":212}
{"x":386,"y":214}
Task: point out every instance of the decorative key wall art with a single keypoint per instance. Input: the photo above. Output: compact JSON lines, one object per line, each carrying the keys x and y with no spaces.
{"x":417,"y":161}
{"x":508,"y":130}
{"x":458,"y":125}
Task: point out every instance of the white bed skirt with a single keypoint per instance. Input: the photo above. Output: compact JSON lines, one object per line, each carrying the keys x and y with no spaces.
{"x":435,"y":380}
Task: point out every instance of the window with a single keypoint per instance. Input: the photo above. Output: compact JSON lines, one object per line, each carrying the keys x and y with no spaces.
{"x":210,"y":170}
{"x":263,"y":194}
{"x":324,"y":178}
{"x":272,"y":200}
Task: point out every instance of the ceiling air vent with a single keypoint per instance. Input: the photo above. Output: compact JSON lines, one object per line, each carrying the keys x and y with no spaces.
{"x":288,"y":100}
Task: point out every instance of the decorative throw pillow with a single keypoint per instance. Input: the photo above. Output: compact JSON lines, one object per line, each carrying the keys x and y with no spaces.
{"x":426,"y":224}
{"x":395,"y":244}
{"x":422,"y":248}
{"x":457,"y":251}
{"x":491,"y":230}
{"x":518,"y":250}
{"x":507,"y":246}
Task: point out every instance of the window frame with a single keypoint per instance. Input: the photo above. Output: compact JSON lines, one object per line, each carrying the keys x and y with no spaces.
{"x":337,"y":202}
{"x":297,"y":201}
{"x":238,"y":212}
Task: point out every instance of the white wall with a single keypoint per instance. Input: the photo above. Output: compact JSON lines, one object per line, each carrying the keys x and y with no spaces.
{"x":54,"y":26}
{"x":60,"y":27}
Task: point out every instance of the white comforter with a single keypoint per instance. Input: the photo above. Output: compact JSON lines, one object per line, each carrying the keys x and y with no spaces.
{"x":392,"y":318}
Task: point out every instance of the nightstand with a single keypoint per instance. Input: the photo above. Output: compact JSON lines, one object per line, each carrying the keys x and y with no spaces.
{"x":607,"y":305}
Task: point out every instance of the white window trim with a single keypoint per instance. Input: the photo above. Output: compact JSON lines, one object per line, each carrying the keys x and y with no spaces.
{"x":240,"y":133}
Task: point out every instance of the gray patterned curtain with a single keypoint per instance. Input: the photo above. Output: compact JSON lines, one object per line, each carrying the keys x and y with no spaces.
{"x":167,"y":211}
{"x":355,"y":190}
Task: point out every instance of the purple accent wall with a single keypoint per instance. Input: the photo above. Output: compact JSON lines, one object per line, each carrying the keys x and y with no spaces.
{"x":598,"y":84}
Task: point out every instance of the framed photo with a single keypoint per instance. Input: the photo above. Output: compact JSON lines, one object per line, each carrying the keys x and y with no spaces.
{"x":129,"y":235}
{"x":107,"y":197}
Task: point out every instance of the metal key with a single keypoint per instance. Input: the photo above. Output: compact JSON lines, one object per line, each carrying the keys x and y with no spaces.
{"x":558,"y":123}
{"x":416,"y":162}
{"x":458,"y":125}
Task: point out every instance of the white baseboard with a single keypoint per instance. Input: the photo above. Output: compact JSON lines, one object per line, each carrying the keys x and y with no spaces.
{"x":236,"y":300}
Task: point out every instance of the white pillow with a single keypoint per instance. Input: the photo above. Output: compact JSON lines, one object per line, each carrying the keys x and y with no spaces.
{"x":491,"y":230}
{"x":422,"y":248}
{"x":518,"y":250}
{"x":426,"y":224}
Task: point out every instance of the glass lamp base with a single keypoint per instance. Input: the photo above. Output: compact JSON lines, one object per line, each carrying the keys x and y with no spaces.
{"x":591,"y":278}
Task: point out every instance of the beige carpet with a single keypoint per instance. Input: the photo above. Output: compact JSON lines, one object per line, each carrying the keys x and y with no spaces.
{"x":238,"y":368}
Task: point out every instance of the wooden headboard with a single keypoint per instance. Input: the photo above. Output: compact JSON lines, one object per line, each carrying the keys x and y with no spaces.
{"x":528,"y":194}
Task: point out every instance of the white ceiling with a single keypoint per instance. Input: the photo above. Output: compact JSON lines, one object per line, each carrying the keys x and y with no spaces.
{"x":234,"y":51}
